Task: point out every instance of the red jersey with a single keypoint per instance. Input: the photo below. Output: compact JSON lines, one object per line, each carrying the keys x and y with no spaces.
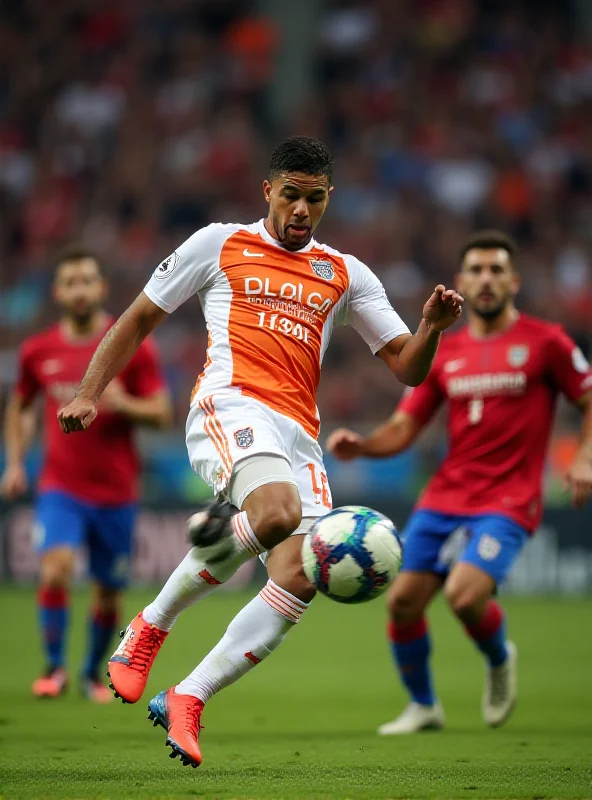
{"x":501,"y":392}
{"x":100,"y":465}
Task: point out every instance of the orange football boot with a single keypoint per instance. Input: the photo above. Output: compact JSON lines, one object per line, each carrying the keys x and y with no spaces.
{"x":130,"y":664}
{"x":52,"y":684}
{"x":179,"y":715}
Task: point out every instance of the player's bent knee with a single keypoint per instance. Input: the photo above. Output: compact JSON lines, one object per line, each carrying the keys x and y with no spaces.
{"x":466,"y":602}
{"x":403,"y":604}
{"x":56,"y":569}
{"x":274,"y":513}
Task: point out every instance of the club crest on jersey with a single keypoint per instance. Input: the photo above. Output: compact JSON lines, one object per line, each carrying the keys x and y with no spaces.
{"x":518,"y":355}
{"x":244,"y":438}
{"x":323,"y":268}
{"x":164,"y":269}
{"x":488,"y":547}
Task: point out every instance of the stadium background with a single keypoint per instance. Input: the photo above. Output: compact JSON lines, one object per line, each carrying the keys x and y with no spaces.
{"x":128,"y":125}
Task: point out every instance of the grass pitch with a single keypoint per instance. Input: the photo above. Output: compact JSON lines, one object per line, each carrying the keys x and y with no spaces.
{"x":302,"y":724}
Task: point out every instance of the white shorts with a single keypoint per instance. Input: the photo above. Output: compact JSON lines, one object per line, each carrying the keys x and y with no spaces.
{"x":224,"y":429}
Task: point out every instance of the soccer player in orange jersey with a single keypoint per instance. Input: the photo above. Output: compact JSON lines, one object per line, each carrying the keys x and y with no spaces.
{"x":271,"y":295}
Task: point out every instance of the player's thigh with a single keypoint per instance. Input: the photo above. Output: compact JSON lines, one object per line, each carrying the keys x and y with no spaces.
{"x":60,"y":524}
{"x":284,"y":567}
{"x":110,"y":544}
{"x":493,"y":546}
{"x":224,"y":430}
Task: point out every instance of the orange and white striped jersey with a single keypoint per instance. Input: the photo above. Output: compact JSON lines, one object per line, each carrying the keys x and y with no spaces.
{"x":270,"y":312}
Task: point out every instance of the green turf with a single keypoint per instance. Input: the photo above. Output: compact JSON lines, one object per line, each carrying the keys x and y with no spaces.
{"x":302,"y":724}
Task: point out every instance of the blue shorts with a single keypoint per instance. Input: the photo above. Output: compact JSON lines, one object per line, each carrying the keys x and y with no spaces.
{"x":63,"y":521}
{"x":434,"y":542}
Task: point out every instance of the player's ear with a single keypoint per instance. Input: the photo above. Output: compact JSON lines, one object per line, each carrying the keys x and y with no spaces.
{"x":267,"y":190}
{"x":516,"y":283}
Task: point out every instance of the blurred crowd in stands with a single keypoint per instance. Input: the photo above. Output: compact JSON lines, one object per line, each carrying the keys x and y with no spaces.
{"x":128,"y":125}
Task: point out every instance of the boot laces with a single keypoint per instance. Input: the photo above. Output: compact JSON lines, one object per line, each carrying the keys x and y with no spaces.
{"x":144,"y":649}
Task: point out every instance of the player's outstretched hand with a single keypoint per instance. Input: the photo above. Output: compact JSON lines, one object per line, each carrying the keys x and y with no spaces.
{"x":345,"y":444}
{"x":77,"y":415}
{"x":579,"y":481}
{"x":443,"y":308}
{"x":14,"y":482}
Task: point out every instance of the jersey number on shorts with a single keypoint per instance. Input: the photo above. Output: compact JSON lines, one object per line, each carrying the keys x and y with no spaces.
{"x":320,"y":488}
{"x":475,"y":411}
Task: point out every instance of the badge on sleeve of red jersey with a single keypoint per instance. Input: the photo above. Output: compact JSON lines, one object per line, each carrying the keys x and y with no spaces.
{"x":578,"y":359}
{"x":164,"y":269}
{"x":518,"y":355}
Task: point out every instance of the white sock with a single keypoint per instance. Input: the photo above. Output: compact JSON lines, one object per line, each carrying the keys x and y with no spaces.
{"x":252,"y":635}
{"x":194,"y":578}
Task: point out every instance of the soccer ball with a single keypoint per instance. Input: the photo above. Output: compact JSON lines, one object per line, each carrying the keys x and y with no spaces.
{"x":352,"y":554}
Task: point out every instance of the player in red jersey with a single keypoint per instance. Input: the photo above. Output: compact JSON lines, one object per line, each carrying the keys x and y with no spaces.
{"x":88,"y":488}
{"x":500,"y":376}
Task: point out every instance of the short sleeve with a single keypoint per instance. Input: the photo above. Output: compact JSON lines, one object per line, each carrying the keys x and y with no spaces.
{"x":369,"y":311}
{"x":145,"y":376}
{"x":570,"y":371}
{"x":192,"y":267}
{"x":422,"y":401}
{"x":27,"y":384}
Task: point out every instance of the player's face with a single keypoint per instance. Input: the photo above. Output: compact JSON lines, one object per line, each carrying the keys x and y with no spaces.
{"x":487,"y":281}
{"x":79,"y":289}
{"x":296,"y":204}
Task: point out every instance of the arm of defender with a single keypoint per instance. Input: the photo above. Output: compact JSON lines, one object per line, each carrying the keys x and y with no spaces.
{"x":579,"y":475}
{"x":395,"y":435}
{"x":410,"y":357}
{"x":19,"y":431}
{"x":113,"y":353}
{"x":154,"y":411}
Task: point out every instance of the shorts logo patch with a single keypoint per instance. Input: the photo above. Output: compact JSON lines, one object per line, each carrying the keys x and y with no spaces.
{"x":488,"y":547}
{"x":244,"y":438}
{"x":518,"y":355}
{"x":323,"y":268}
{"x":164,"y":269}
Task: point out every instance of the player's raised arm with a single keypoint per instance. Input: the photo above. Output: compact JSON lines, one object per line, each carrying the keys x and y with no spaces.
{"x":113,"y":353}
{"x":410,"y":357}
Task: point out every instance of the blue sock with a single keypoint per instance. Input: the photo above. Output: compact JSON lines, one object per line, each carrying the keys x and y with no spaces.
{"x":100,"y":632}
{"x":53,"y":605}
{"x":489,"y":634}
{"x":411,"y":648}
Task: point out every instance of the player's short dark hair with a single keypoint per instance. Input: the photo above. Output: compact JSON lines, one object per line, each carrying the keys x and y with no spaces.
{"x":77,"y":252}
{"x":489,"y":240}
{"x":301,"y":154}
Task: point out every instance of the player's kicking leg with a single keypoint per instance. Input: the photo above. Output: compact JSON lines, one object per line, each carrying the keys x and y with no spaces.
{"x":223,"y":543}
{"x":251,"y":636}
{"x":493,"y":547}
{"x":60,"y":527}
